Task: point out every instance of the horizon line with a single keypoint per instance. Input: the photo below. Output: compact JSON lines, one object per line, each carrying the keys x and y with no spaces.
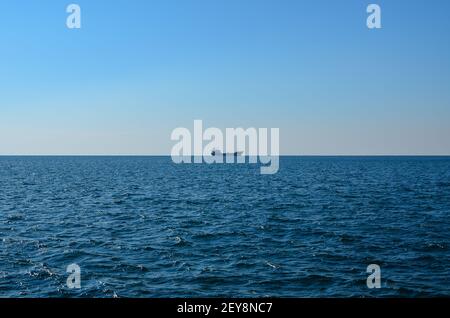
{"x":168,"y":155}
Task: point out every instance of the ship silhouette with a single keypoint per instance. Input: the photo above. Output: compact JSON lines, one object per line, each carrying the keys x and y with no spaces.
{"x":220,"y":153}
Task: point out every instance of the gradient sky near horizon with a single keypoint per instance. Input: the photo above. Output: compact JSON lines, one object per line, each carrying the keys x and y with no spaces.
{"x":138,"y":69}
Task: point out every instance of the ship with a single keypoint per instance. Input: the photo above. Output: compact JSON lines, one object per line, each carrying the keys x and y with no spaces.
{"x":220,"y":153}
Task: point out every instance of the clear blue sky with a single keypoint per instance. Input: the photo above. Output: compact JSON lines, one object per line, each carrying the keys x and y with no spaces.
{"x":138,"y":69}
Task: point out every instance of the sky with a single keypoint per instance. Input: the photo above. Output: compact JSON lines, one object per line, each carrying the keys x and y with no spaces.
{"x":138,"y":69}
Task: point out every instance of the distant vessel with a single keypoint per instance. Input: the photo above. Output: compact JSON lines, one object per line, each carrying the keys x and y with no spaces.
{"x":220,"y":153}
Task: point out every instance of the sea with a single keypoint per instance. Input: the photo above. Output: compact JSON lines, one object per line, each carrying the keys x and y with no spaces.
{"x":146,"y":227}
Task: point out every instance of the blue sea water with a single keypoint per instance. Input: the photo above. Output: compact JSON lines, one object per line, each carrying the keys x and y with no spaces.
{"x":145,"y":227}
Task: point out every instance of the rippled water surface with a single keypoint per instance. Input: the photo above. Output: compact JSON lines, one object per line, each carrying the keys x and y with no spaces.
{"x":145,"y":227}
